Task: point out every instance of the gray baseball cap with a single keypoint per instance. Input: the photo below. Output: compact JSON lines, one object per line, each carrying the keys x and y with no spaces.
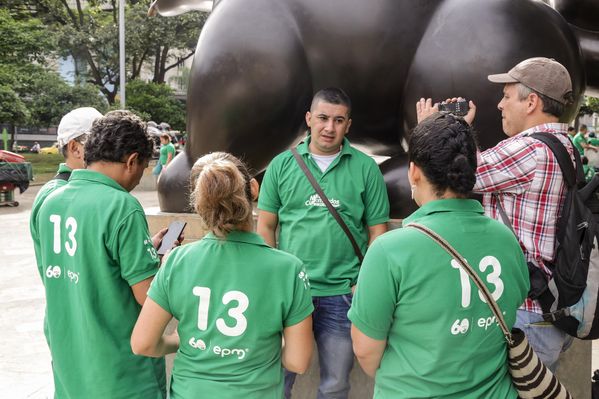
{"x":544,"y":75}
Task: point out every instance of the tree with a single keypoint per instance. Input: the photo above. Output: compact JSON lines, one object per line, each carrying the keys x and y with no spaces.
{"x":24,"y":46}
{"x":30,"y":92}
{"x":12,"y":109}
{"x":49,"y":98}
{"x":168,"y":42}
{"x":88,"y":31}
{"x":590,"y":106}
{"x":156,"y":100}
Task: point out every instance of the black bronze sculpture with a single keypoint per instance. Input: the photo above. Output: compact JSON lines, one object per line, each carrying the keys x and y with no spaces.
{"x":258,"y":63}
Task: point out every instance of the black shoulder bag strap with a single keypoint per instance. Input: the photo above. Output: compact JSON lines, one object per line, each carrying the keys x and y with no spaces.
{"x":62,"y":176}
{"x":328,"y":204}
{"x":572,"y":177}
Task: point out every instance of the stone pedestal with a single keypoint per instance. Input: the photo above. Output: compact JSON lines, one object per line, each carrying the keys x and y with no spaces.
{"x":158,"y":220}
{"x":148,"y":180}
{"x":575,"y":365}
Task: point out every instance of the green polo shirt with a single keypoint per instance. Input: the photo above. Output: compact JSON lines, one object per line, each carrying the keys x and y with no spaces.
{"x":46,"y":189}
{"x":233,"y":297}
{"x":354,"y":186}
{"x":593,"y":141}
{"x":441,"y":338}
{"x":95,"y":246}
{"x":165,"y":150}
{"x":578,"y":141}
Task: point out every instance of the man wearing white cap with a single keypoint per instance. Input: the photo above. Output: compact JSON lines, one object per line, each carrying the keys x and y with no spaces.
{"x":521,"y":178}
{"x":72,"y":133}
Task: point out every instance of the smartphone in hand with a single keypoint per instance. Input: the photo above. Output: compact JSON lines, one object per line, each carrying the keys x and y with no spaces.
{"x":458,"y":108}
{"x":168,"y":241}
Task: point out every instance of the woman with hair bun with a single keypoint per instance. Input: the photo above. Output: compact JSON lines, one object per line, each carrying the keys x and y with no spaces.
{"x":419,"y":325}
{"x":235,"y":298}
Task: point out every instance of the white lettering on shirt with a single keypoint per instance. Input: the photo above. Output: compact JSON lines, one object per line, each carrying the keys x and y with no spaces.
{"x":315,"y":200}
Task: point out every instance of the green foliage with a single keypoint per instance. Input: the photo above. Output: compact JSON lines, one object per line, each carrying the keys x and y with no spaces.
{"x":30,"y":93}
{"x":88,"y":32}
{"x":23,"y":41}
{"x":590,"y":106}
{"x":157,"y":101}
{"x":160,"y":42}
{"x":49,"y":98}
{"x":12,"y":109}
{"x":43,"y":163}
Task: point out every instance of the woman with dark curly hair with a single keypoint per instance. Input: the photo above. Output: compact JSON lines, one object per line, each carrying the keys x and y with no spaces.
{"x":419,"y":325}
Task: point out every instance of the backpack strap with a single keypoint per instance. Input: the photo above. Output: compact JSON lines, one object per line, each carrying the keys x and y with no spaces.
{"x":62,"y":176}
{"x":325,"y":200}
{"x":572,"y":177}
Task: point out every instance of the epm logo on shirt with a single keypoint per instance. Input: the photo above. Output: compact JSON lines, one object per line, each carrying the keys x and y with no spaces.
{"x":315,"y":200}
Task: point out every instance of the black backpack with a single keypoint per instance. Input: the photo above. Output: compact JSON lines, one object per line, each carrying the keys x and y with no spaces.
{"x":570,"y":298}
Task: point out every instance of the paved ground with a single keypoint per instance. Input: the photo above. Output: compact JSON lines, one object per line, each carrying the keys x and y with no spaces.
{"x":25,"y":370}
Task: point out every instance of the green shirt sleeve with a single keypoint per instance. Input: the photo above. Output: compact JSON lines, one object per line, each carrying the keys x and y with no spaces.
{"x":377,"y":201}
{"x":301,"y":306}
{"x":158,"y":291}
{"x":136,"y":255}
{"x":373,"y":305}
{"x":269,"y":199}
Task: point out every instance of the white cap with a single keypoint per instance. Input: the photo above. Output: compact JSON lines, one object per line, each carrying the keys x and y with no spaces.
{"x":77,"y":122}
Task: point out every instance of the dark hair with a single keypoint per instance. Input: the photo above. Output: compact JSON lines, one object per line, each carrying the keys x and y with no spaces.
{"x":221,"y":193}
{"x":117,"y":135}
{"x":571,"y":129}
{"x":550,"y":106}
{"x":332,"y":95}
{"x":444,"y":147}
{"x":583,"y":127}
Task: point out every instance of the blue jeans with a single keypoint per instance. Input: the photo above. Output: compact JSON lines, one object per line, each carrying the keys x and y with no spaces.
{"x":335,"y":353}
{"x":545,"y":339}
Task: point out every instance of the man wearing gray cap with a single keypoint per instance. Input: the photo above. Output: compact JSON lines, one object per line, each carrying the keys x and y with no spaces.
{"x":521,"y":182}
{"x":520,"y":177}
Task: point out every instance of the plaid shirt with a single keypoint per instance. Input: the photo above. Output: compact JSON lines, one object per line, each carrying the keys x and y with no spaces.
{"x":524,"y":175}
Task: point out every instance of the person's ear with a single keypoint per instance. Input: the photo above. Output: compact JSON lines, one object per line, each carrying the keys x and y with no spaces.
{"x":348,"y":125}
{"x":308,"y":116}
{"x":75,"y":149}
{"x":413,"y":173}
{"x":254,"y":188}
{"x":131,"y":161}
{"x":533,"y":101}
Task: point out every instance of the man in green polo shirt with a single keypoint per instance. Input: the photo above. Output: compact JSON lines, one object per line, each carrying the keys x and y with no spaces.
{"x":354,"y":185}
{"x":96,"y":262}
{"x":580,"y":141}
{"x":72,"y":133}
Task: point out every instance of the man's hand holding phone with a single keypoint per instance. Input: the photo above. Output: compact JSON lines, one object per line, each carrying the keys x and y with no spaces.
{"x":168,"y":238}
{"x":456,"y":105}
